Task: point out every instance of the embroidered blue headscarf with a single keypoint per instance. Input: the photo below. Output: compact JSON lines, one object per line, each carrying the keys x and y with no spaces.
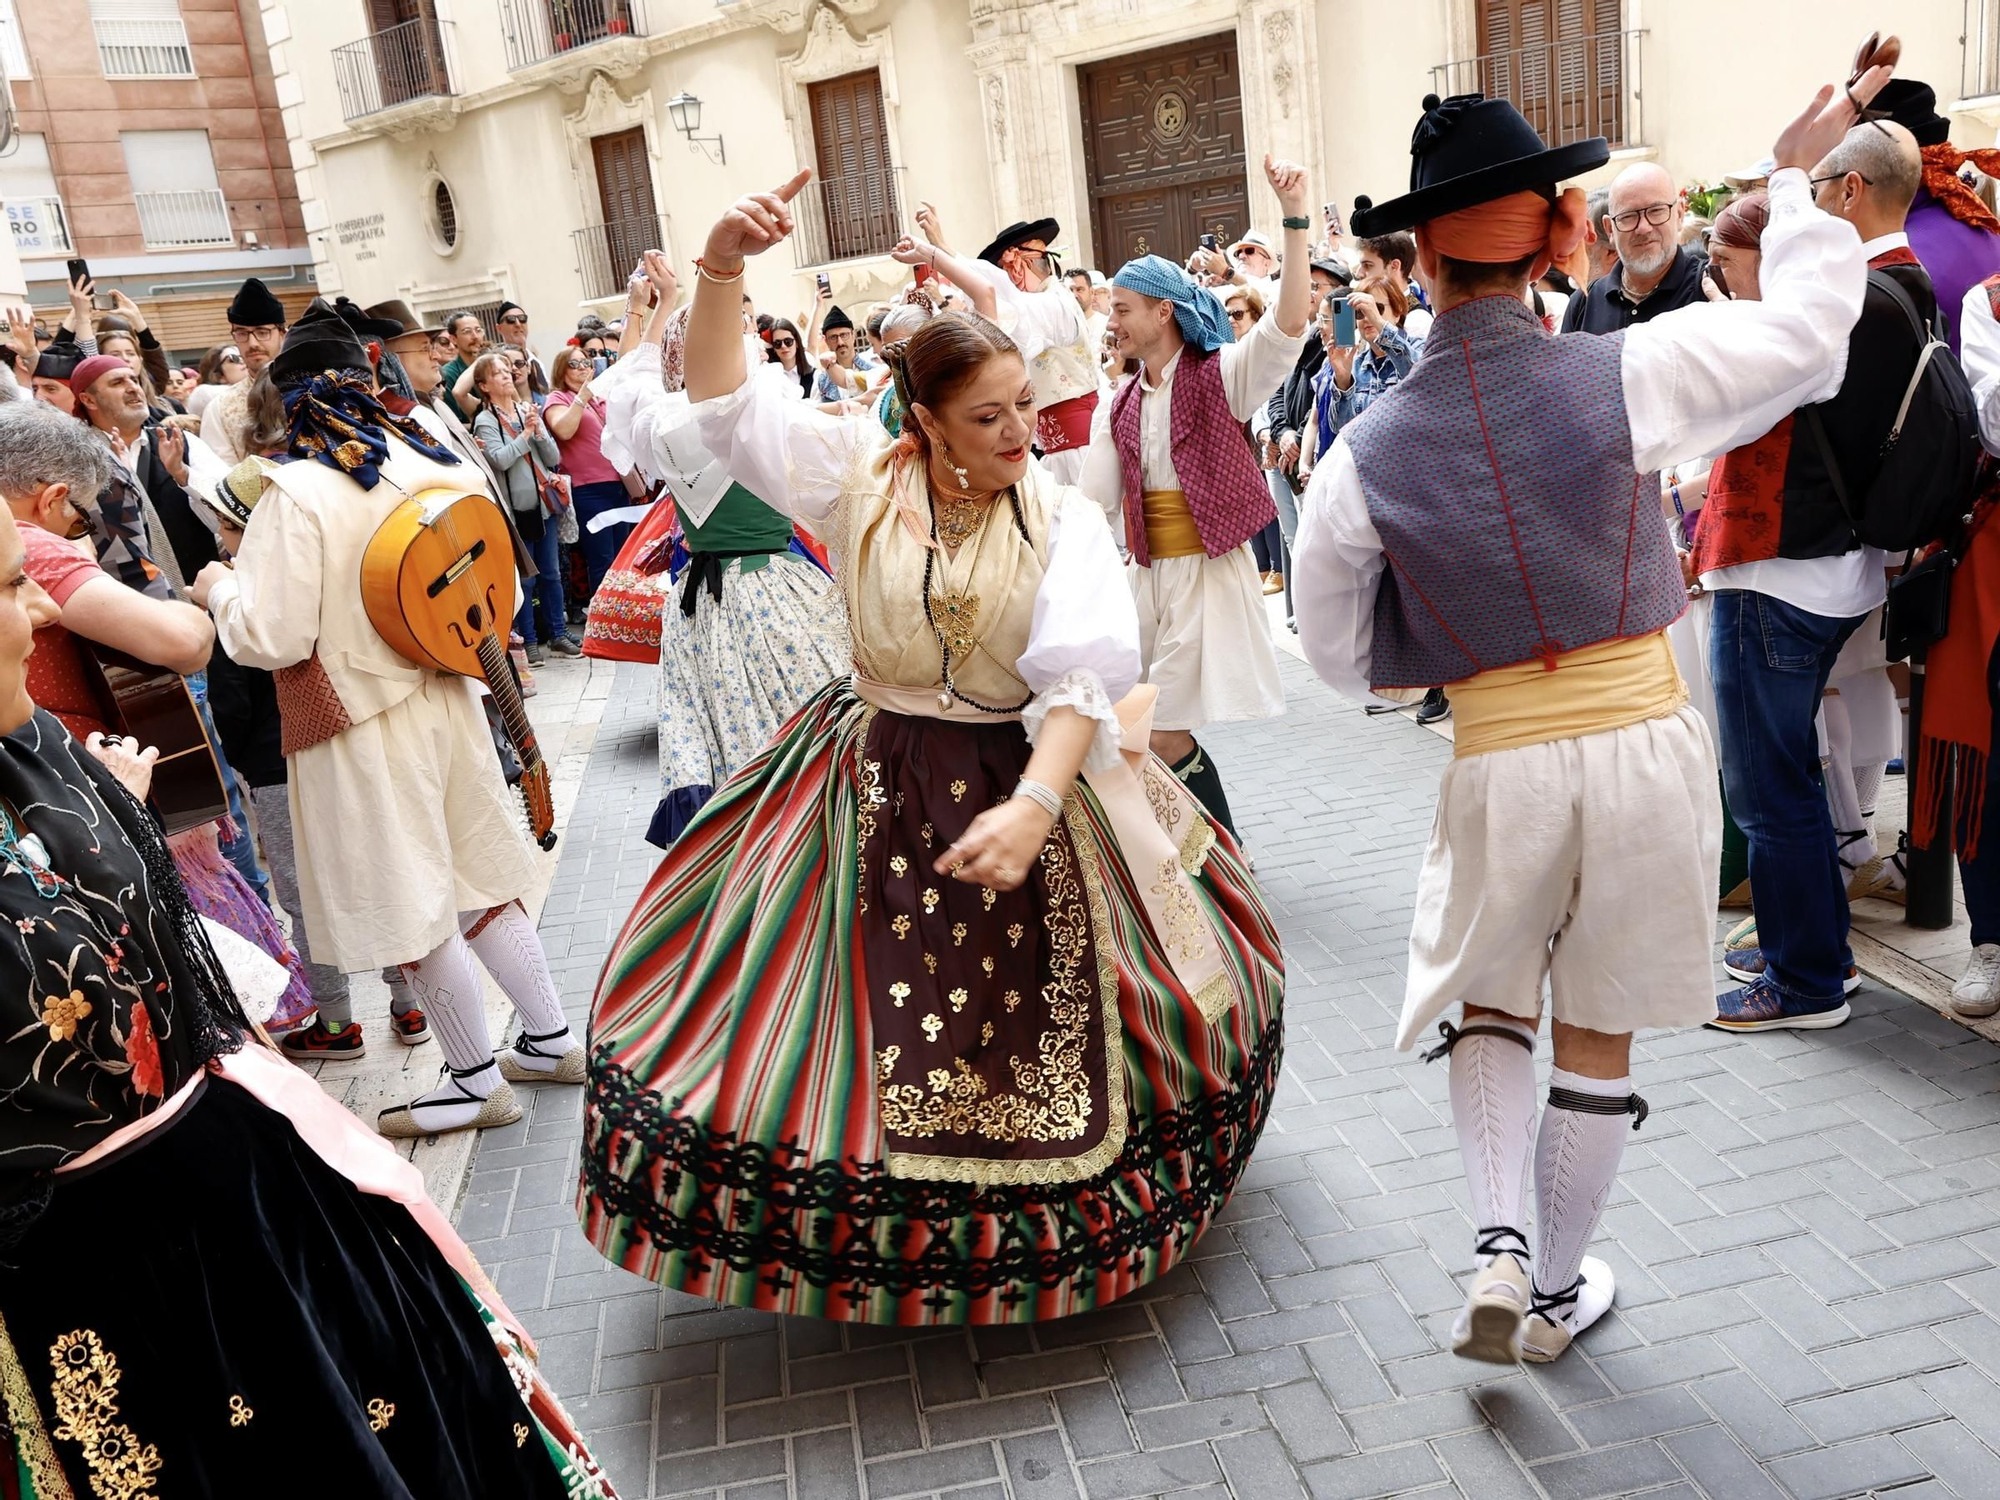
{"x":1204,"y":320}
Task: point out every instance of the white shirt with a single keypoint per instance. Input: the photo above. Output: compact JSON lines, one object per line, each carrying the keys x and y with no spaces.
{"x":1700,"y":379}
{"x":1048,"y":319}
{"x":1252,"y":368}
{"x":1979,"y":353}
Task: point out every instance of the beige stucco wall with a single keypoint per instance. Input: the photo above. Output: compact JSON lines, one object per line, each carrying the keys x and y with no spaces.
{"x":981,"y":100}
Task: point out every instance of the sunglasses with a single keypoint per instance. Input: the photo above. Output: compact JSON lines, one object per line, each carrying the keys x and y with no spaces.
{"x":784,"y":343}
{"x":511,"y":319}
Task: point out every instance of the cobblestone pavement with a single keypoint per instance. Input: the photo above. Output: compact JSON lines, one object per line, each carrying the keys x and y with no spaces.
{"x":1806,"y":1237}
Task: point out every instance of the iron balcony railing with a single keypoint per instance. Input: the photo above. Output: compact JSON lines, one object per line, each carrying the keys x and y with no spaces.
{"x":404,"y":62}
{"x":180,"y":221}
{"x":1979,"y":66}
{"x":39,"y":226}
{"x":1570,"y":90}
{"x":540,"y":29}
{"x":607,"y":254}
{"x":143,"y":47}
{"x":849,"y":215}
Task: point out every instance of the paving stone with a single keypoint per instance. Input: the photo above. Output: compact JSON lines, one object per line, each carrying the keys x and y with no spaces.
{"x":1094,"y":1419}
{"x":1614,"y":1471}
{"x":1198,"y":1421}
{"x":824,"y":1465}
{"x":1872,"y":1463}
{"x":1159,"y":1473}
{"x":1390,"y":1472}
{"x":1950,"y":1453}
{"x":1877,"y":1408}
{"x":1037,"y":1468}
{"x":1710,"y":1455}
{"x":1256,"y":1463}
{"x":939,"y":1468}
{"x":1642,"y":1416}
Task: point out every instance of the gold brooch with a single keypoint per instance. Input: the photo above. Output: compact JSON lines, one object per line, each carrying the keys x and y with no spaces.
{"x":239,"y":1413}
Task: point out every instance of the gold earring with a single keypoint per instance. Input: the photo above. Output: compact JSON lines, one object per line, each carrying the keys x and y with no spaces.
{"x":960,"y":474}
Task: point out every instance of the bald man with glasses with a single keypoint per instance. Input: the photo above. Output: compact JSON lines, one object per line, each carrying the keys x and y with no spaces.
{"x":1654,"y":272}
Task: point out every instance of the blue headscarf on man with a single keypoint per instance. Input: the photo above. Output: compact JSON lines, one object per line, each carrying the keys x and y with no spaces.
{"x":1203,"y":319}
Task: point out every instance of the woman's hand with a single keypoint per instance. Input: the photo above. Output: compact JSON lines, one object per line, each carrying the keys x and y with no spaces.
{"x":754,"y":223}
{"x":1341,"y":358}
{"x":912,"y":252}
{"x":1288,"y":181}
{"x":1367,"y":315}
{"x":1001,"y":846}
{"x":122,"y":758}
{"x":660,"y":273}
{"x":127,"y":309}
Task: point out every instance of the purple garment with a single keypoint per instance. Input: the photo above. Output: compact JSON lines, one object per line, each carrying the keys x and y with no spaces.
{"x":1957,"y":256}
{"x":1559,"y":549}
{"x":1225,"y":489}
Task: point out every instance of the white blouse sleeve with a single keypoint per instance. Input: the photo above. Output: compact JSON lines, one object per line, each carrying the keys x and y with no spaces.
{"x":1083,"y":644}
{"x":266,"y":608}
{"x":1979,"y":341}
{"x":789,"y":454}
{"x":1337,"y":564}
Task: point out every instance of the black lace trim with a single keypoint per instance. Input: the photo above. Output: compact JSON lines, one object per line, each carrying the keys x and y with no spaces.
{"x":1184,"y":1162}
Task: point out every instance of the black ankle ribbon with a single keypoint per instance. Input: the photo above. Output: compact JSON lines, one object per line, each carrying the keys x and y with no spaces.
{"x":1599,"y":1104}
{"x":1452,"y":1033}
{"x":1546,"y":1303}
{"x":1501,"y":1239}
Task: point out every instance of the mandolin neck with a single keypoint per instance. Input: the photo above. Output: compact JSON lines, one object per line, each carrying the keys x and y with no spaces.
{"x":507,"y":694}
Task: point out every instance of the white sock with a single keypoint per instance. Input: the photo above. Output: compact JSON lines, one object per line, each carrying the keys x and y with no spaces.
{"x":1576,"y":1161}
{"x":511,"y":949}
{"x":1493,"y":1107}
{"x":1868,"y":787}
{"x":1842,"y":794}
{"x":446,"y":984}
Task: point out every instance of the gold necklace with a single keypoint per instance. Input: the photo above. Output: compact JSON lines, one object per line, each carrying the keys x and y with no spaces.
{"x":957,"y":519}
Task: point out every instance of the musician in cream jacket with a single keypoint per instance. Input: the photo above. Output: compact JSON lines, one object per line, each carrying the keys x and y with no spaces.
{"x":409,"y":846}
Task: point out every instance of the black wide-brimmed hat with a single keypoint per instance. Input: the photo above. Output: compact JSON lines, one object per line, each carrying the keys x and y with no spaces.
{"x":1912,"y":105}
{"x":365,"y":322}
{"x":1469,"y":150}
{"x":321,"y":340}
{"x":1007,"y":239}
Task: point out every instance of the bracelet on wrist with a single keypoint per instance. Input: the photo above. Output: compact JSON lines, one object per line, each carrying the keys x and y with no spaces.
{"x":720,"y":278}
{"x":1042,"y":796}
{"x":1293,"y":222}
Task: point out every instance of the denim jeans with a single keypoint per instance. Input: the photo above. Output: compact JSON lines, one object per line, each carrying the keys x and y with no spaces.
{"x":600,"y":548}
{"x":543,"y":597}
{"x":1769,"y":663}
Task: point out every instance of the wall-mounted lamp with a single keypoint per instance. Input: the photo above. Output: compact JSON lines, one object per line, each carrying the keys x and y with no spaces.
{"x":685,"y":111}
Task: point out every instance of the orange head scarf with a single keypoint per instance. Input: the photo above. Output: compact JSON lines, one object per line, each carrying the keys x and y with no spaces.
{"x":1941,"y":180}
{"x":1515,"y":227}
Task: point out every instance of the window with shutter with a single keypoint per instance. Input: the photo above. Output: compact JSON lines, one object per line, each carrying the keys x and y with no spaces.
{"x":1560,"y":62}
{"x":631,"y":226}
{"x":856,"y":180}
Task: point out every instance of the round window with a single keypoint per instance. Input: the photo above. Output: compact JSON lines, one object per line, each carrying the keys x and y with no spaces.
{"x":444,"y":216}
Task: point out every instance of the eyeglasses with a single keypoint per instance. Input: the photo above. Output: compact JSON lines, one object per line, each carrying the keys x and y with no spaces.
{"x":1814,"y":182}
{"x":1655,"y":214}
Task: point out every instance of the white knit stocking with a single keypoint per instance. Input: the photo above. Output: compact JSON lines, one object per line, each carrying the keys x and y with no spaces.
{"x":1493,"y":1107}
{"x":447,"y":985}
{"x":1576,"y":1161}
{"x":511,"y":949}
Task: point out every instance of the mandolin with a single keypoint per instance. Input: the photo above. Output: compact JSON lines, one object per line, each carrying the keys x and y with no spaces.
{"x":437,"y":580}
{"x":152,"y":706}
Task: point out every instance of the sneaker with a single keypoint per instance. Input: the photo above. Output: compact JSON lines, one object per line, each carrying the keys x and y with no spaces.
{"x":1488,"y":1328}
{"x":1761,"y":1006}
{"x":1435,"y":707}
{"x":1555,"y":1322}
{"x":1977,"y":992}
{"x":1274,"y":583}
{"x":411,"y":1029}
{"x":1742,"y":935}
{"x":537,"y":654}
{"x":316,"y":1040}
{"x":1747,"y":964}
{"x":564,"y":645}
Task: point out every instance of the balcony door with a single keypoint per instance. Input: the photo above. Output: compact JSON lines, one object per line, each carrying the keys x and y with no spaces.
{"x":856,"y":182}
{"x":1561,"y":62}
{"x":625,"y":189}
{"x":409,"y":50}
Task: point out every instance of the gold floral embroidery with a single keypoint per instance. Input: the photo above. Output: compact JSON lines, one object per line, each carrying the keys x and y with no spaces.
{"x":62,"y":1013}
{"x":930,"y":899}
{"x":930,"y":962}
{"x":933,"y":1024}
{"x":380,"y":1413}
{"x":899,"y":992}
{"x":898,"y":866}
{"x":872,"y":797}
{"x":1186,"y":931}
{"x":239,"y":1412}
{"x":84,"y":1393}
{"x":958,"y":791}
{"x":1015,"y":932}
{"x":885,"y":1062}
{"x":958,"y":934}
{"x":23,"y":1414}
{"x":900,"y":925}
{"x":987,"y":896}
{"x":1013,"y":1000}
{"x":986,"y":963}
{"x":956,"y":616}
{"x":926,"y":834}
{"x":939,"y":1079}
{"x":899,"y":802}
{"x":958,"y":997}
{"x":520,"y":1434}
{"x":986,"y":1032}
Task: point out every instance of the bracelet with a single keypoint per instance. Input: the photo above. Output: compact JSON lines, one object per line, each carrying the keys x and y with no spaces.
{"x":1040,"y":795}
{"x":1296,"y":223}
{"x":701,"y":269}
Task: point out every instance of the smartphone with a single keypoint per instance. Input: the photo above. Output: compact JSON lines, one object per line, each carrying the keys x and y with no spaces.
{"x":926,"y":274}
{"x":79,"y":272}
{"x":825,"y":282}
{"x":1208,"y":242}
{"x":599,"y":364}
{"x":1343,"y":323}
{"x":1334,"y":228}
{"x":1715,"y":275}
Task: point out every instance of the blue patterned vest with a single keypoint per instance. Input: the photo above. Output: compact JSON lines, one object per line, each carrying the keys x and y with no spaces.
{"x":1500,"y":477}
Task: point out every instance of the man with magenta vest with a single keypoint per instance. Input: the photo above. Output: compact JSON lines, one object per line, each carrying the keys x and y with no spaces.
{"x":1524,"y":563}
{"x":1169,"y":463}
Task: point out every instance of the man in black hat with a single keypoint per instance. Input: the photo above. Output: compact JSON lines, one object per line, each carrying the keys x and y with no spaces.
{"x":257,"y":328}
{"x":1579,"y":828}
{"x":407,"y":849}
{"x":50,"y":380}
{"x":841,"y":377}
{"x":1954,"y":234}
{"x":1017,"y":282}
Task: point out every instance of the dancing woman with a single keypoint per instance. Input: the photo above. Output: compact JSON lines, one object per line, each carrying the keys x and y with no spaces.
{"x":914,"y":1025}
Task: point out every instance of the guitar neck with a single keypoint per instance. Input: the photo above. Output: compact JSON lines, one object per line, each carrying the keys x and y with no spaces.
{"x":507,"y":694}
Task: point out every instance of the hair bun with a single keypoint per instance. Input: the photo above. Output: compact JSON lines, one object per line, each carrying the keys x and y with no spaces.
{"x":1431,"y":101}
{"x":1362,"y":203}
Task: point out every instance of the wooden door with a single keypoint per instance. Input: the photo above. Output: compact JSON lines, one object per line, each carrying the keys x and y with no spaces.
{"x":856,"y":182}
{"x":1163,"y":150}
{"x":1561,"y":63}
{"x":409,"y":50}
{"x":625,"y":190}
